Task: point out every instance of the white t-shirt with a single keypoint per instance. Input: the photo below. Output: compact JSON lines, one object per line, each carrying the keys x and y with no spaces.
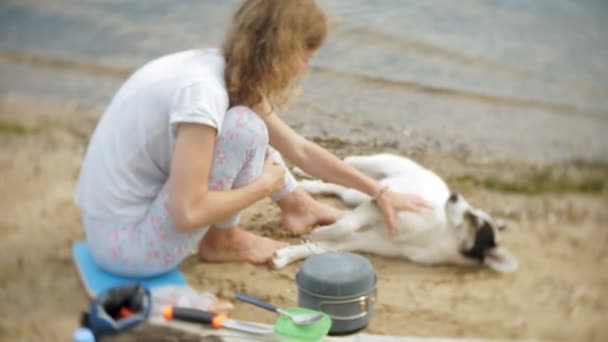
{"x":129,"y":156}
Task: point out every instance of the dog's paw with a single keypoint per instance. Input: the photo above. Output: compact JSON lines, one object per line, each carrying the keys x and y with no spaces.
{"x":278,"y":263}
{"x":283,"y":252}
{"x":281,"y":258}
{"x":313,"y":187}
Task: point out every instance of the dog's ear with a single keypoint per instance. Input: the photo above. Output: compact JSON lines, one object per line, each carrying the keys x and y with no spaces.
{"x":504,"y":224}
{"x":500,"y":259}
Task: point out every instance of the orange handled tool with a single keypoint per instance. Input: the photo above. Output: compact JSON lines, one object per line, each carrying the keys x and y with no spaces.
{"x":215,"y":320}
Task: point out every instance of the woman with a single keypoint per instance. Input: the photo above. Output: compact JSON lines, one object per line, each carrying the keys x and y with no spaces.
{"x":191,"y":139}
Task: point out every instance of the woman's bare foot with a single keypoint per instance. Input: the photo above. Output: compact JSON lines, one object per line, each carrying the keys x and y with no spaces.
{"x":235,"y":244}
{"x":300,"y":212}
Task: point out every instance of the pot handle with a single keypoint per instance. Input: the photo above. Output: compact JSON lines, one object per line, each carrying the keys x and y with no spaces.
{"x":364,"y":301}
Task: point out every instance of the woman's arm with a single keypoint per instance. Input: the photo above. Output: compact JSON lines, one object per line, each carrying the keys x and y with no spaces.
{"x":322,"y":164}
{"x":191,"y":205}
{"x":314,"y":159}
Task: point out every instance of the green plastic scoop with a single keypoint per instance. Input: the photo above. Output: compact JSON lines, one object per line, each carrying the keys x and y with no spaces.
{"x":288,"y":331}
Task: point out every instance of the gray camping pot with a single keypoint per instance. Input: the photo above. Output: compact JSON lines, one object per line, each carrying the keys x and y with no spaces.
{"x":343,"y":285}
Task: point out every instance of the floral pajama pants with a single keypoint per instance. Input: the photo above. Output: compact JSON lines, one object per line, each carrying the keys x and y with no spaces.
{"x":153,"y":246}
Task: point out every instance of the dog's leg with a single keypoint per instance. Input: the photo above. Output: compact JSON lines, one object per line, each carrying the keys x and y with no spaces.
{"x":382,"y":165}
{"x":317,"y":187}
{"x":300,"y":173}
{"x":364,"y":215}
{"x":350,"y":197}
{"x":287,"y":255}
{"x":370,"y":242}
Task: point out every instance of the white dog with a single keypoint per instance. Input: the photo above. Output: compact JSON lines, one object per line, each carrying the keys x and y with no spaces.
{"x":452,"y":232}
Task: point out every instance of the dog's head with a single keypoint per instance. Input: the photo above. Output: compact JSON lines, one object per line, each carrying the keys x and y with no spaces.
{"x":478,"y":235}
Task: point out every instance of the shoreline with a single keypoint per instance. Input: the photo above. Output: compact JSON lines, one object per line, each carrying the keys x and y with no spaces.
{"x":22,"y":115}
{"x":415,"y":117}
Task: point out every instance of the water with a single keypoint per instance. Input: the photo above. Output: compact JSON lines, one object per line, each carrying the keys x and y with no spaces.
{"x":507,"y":79}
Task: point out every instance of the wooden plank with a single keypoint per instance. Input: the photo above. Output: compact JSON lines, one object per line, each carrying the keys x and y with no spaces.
{"x":158,"y":330}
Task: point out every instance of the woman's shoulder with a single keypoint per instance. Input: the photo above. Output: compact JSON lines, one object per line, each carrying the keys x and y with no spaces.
{"x":190,"y":68}
{"x":211,"y":57}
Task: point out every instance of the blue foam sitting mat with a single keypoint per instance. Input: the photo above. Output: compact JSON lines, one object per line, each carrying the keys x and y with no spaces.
{"x":95,"y":279}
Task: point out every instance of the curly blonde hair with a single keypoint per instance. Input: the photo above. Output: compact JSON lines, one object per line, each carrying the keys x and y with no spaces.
{"x":262,"y":46}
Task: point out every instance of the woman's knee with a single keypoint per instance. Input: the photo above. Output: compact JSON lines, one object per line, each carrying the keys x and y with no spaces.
{"x":243,"y":127}
{"x":240,"y":149}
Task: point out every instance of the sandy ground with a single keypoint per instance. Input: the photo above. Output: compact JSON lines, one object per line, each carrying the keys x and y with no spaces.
{"x":560,"y":240}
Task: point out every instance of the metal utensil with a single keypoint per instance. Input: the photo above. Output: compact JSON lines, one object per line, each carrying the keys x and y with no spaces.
{"x":299,"y":319}
{"x":216,"y":320}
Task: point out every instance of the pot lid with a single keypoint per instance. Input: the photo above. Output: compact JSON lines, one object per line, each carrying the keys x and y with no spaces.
{"x":336,"y":275}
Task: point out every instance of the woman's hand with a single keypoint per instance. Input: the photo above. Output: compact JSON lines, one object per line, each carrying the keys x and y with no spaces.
{"x":390,"y":203}
{"x":273,"y":176}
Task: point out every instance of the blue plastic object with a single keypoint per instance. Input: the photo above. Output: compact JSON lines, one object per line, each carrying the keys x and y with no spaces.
{"x":96,"y":280}
{"x":83,"y":335}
